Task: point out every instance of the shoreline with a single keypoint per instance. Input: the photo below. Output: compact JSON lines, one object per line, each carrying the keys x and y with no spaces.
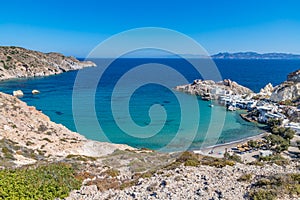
{"x":218,"y":150}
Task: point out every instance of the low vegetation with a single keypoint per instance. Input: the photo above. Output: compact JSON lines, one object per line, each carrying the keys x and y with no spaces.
{"x":245,"y":178}
{"x":80,"y":157}
{"x":280,"y":138}
{"x":275,"y":186}
{"x":277,"y":159}
{"x":194,"y":160}
{"x":111,"y":172}
{"x":42,"y":182}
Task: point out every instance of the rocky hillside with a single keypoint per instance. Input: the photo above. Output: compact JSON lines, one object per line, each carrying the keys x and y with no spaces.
{"x":203,"y":182}
{"x":27,"y":135}
{"x":213,"y":89}
{"x":288,"y":90}
{"x":17,"y":62}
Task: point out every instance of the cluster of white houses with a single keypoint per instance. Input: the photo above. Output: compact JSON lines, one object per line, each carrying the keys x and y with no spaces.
{"x":265,"y":109}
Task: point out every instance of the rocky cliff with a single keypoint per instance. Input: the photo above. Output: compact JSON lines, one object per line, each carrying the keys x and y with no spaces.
{"x":17,"y":62}
{"x":213,"y":89}
{"x":288,"y":90}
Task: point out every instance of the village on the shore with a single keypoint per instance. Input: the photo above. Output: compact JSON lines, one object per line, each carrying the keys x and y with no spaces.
{"x":276,"y":107}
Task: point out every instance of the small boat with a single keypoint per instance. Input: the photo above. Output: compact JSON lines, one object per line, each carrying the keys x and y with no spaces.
{"x":231,"y":108}
{"x":211,"y":105}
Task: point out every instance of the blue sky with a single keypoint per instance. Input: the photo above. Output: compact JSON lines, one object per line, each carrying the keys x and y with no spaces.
{"x":76,"y":27}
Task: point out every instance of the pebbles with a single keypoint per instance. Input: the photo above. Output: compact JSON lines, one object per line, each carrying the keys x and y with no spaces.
{"x":202,"y":182}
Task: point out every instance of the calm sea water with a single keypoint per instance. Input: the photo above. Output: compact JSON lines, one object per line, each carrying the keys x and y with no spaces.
{"x":55,"y":101}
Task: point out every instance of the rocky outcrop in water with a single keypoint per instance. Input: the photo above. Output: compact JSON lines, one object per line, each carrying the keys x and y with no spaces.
{"x":213,"y":89}
{"x":17,"y":62}
{"x":288,"y":90}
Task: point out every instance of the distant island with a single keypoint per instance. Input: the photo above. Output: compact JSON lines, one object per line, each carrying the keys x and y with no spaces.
{"x":254,"y":55}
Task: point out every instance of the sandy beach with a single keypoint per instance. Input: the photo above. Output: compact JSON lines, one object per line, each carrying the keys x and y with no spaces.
{"x":219,"y":150}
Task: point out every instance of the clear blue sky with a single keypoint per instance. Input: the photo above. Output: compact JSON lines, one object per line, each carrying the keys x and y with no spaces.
{"x":75,"y":27}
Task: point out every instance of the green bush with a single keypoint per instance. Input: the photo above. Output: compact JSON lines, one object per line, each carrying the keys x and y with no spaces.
{"x":277,"y":159}
{"x":278,"y":143}
{"x":42,"y":182}
{"x":245,"y":178}
{"x":276,"y":186}
{"x":233,"y":157}
{"x":111,"y":172}
{"x":274,"y":122}
{"x":188,"y":158}
{"x":253,"y":143}
{"x":216,"y":162}
{"x":192,"y":163}
{"x":286,"y":133}
{"x":263,"y":195}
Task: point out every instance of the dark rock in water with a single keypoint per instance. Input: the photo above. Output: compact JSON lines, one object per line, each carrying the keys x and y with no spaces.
{"x":58,"y":113}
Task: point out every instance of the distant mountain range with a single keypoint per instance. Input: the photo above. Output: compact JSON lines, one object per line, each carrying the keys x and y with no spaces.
{"x":254,"y":55}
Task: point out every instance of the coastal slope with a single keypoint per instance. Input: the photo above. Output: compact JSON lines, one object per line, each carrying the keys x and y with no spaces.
{"x":27,"y":135}
{"x":17,"y":62}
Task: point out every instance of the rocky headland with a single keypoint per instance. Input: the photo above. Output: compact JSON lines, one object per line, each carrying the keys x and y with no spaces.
{"x":17,"y":62}
{"x":212,"y":89}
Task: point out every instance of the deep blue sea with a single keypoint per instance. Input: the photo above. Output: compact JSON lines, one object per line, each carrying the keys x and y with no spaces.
{"x":161,"y":122}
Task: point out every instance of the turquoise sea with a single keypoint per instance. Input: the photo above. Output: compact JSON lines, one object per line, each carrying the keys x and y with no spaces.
{"x":55,"y":100}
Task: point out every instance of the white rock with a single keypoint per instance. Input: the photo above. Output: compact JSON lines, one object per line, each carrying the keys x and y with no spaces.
{"x":35,"y":91}
{"x":6,"y":127}
{"x":18,"y":93}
